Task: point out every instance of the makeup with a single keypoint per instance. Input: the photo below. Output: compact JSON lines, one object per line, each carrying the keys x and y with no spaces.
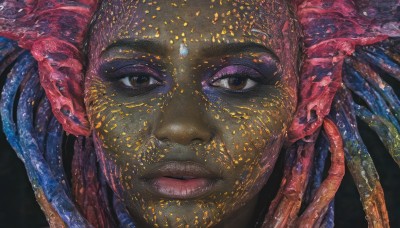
{"x":190,"y":107}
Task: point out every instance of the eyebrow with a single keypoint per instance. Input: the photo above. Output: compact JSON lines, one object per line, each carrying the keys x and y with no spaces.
{"x":236,"y":48}
{"x":213,"y":50}
{"x":146,"y":46}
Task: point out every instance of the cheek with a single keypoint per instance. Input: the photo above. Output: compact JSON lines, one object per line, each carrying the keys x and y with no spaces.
{"x":254,"y":134}
{"x":121,"y":125}
{"x":121,"y":129}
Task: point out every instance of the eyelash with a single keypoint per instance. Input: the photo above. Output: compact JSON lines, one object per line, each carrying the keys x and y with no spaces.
{"x":238,"y":71}
{"x":122,"y":77}
{"x":127,"y":79}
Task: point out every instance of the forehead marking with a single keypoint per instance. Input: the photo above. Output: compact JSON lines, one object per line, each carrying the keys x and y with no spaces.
{"x":183,"y":50}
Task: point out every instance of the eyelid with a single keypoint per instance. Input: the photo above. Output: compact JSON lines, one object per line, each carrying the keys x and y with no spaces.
{"x":236,"y":69}
{"x":128,"y":69}
{"x":265,"y":63}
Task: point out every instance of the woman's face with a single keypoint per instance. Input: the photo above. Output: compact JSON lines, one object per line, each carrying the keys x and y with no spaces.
{"x":189,"y":102}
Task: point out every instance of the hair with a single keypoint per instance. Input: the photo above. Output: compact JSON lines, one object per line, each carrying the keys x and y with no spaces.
{"x":347,"y":53}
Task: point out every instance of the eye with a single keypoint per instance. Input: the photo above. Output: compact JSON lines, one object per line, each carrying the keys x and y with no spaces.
{"x":139,"y":81}
{"x":236,"y":78}
{"x":235,"y":82}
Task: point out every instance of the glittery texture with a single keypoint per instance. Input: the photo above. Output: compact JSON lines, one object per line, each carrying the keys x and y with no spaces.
{"x":377,"y":83}
{"x":42,"y":118}
{"x":359,"y":161}
{"x":321,"y":153}
{"x":52,"y":189}
{"x":315,"y":212}
{"x":54,"y":31}
{"x":385,"y":130}
{"x":124,"y":218}
{"x":316,"y":177}
{"x":380,"y":59}
{"x":53,"y":153}
{"x":23,"y":66}
{"x":86,"y":185}
{"x":283,"y":210}
{"x":329,"y":219}
{"x":332,"y":29}
{"x":9,"y":51}
{"x":333,"y":66}
{"x":22,"y":136}
{"x":373,"y":99}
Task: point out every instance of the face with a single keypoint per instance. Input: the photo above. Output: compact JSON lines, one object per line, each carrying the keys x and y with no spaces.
{"x":189,"y":102}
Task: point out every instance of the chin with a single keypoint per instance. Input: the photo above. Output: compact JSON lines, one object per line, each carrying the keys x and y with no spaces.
{"x":177,"y":213}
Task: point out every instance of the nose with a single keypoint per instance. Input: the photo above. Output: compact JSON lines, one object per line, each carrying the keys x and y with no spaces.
{"x":183,"y":121}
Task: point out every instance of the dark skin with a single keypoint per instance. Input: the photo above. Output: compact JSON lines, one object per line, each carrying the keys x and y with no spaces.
{"x":186,"y":84}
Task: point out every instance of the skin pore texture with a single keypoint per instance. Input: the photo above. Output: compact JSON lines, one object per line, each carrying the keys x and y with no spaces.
{"x":190,"y":106}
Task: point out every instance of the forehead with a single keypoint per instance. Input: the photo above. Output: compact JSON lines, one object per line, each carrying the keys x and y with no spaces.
{"x":183,"y":21}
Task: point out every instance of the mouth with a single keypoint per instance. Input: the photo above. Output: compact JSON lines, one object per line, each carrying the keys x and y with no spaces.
{"x":180,"y":180}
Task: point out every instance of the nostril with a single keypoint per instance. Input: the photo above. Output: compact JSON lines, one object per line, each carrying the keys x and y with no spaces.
{"x":197,"y":140}
{"x":162,"y":139}
{"x":203,"y":136}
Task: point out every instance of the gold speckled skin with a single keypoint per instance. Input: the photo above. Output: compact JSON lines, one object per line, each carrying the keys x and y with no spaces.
{"x":185,"y":43}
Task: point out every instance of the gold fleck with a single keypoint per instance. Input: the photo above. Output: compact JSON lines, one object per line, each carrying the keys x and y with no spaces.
{"x":223,"y":32}
{"x":215,"y":16}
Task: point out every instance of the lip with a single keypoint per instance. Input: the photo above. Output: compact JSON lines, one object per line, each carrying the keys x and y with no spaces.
{"x":180,"y":180}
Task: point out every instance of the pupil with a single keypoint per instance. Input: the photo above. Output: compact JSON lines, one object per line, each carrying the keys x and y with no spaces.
{"x":141,"y":80}
{"x":237,"y":82}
